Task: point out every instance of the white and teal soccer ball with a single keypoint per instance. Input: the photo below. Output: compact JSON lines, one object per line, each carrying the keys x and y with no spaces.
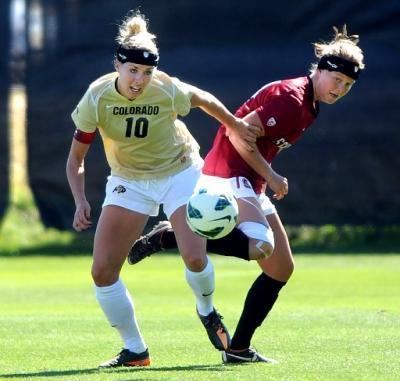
{"x":211,"y":214}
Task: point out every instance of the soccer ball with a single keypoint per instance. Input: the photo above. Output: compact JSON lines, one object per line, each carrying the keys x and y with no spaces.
{"x":211,"y":214}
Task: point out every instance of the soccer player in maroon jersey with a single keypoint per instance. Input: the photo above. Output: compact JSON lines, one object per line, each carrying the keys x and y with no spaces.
{"x":284,"y":110}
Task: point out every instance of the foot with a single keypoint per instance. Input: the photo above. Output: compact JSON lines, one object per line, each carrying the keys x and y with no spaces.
{"x":127,"y":358}
{"x":247,"y":355}
{"x":216,"y":330}
{"x":149,"y":243}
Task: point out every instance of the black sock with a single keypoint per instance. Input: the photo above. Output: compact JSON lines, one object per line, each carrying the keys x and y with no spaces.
{"x":259,"y":301}
{"x":235,"y":244}
{"x":168,"y":240}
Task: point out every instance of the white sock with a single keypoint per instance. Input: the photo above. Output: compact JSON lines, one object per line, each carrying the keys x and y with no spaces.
{"x":117,"y":305}
{"x":203,"y":284}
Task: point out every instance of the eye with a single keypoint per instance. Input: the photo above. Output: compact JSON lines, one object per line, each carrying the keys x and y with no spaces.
{"x":149,"y":72}
{"x":133,"y":70}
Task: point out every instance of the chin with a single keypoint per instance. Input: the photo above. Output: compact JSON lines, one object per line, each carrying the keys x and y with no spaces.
{"x":330,"y":101}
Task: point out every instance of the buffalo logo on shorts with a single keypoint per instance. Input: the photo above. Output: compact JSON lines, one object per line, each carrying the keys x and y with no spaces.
{"x":119,"y":189}
{"x":246,"y":183}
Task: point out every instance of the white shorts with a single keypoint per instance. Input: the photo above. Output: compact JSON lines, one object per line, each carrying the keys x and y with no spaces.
{"x":240,"y":187}
{"x":145,"y":196}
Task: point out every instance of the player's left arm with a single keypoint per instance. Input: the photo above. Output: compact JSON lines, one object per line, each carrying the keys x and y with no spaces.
{"x":276,"y":182}
{"x":215,"y":108}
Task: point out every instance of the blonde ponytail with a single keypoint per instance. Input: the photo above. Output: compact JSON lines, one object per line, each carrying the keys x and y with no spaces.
{"x":133,"y":33}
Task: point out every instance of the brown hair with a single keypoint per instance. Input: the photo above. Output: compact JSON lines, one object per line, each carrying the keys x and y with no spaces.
{"x":342,"y":45}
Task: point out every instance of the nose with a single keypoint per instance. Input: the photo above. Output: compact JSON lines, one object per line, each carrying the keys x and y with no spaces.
{"x":342,"y":88}
{"x":138,"y":78}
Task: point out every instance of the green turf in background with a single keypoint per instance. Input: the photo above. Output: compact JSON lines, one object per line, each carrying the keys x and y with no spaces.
{"x":337,"y":319}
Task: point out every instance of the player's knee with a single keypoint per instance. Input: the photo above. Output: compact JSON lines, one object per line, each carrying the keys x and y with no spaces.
{"x":194,"y":261}
{"x":287,"y":264}
{"x":99,"y":278}
{"x":102,"y":276}
{"x":261,"y":239}
{"x":290,"y":266}
{"x":265,"y":249}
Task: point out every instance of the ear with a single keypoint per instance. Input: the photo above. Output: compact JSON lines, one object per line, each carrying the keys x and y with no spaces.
{"x":318,"y":72}
{"x":116,"y":64}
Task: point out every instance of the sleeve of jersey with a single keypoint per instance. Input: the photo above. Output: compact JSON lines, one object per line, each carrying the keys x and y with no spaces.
{"x":85,"y":114}
{"x":181,"y":97}
{"x":277,"y":113}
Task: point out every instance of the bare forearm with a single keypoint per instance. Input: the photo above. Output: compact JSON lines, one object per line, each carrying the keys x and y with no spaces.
{"x":255,"y":160}
{"x":76,"y":179}
{"x":276,"y":182}
{"x":213,"y":107}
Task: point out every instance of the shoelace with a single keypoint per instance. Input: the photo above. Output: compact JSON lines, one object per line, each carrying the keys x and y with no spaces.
{"x":116,"y":359}
{"x":215,"y":321}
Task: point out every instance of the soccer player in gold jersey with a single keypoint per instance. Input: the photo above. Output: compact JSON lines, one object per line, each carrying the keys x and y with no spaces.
{"x":154,"y":160}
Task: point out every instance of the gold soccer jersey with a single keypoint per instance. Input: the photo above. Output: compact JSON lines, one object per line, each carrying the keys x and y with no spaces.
{"x":143,"y":139}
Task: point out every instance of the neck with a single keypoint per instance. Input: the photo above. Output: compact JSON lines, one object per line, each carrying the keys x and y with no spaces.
{"x":313,"y":77}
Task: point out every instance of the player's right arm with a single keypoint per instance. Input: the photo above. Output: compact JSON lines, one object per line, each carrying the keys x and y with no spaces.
{"x":85,"y":120}
{"x":76,"y":178}
{"x":276,"y":182}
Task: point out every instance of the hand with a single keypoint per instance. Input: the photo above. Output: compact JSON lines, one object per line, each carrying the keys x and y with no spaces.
{"x":279,"y":185}
{"x":82,"y":217}
{"x":244,"y":134}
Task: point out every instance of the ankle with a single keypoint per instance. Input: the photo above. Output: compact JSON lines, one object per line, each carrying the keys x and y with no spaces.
{"x":238,"y":350}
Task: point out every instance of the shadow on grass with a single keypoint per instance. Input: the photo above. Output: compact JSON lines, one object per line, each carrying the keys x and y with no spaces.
{"x":54,"y":250}
{"x":321,"y":242}
{"x":73,"y":372}
{"x":389,"y":249}
{"x":78,"y":244}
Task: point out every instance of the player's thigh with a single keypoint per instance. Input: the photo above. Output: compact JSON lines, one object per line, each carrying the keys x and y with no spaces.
{"x":250,"y":210}
{"x":180,"y":189}
{"x":191,"y":246}
{"x":116,"y":231}
{"x":135,"y":195}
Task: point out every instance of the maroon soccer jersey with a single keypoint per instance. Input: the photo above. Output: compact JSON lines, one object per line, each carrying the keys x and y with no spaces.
{"x":285,"y":108}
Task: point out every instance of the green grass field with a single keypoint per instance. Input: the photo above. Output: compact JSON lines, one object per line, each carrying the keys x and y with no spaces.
{"x":337,"y":319}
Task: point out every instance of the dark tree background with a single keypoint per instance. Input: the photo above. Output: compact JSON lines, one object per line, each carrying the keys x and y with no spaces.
{"x":344,"y":170}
